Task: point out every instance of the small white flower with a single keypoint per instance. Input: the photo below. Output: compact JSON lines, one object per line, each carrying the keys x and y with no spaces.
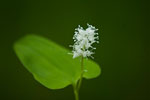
{"x":83,"y":41}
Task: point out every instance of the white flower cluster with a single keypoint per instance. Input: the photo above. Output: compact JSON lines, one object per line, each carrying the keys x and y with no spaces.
{"x":83,"y":41}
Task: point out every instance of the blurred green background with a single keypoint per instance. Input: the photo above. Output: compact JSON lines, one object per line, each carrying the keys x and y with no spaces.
{"x":122,"y":52}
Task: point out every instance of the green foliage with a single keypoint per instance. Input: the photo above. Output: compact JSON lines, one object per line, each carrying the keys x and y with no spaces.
{"x":50,"y":63}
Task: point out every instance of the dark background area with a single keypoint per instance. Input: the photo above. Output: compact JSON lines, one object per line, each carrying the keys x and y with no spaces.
{"x":122,"y":53}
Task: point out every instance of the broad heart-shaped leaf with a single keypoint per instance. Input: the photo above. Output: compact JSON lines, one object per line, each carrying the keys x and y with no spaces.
{"x":50,"y":63}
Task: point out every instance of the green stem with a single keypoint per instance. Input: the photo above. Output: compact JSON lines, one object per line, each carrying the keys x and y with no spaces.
{"x":77,"y":85}
{"x":82,"y":72}
{"x":76,"y":94}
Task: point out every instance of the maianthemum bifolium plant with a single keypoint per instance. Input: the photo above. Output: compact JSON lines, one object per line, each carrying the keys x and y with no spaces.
{"x":52,"y":66}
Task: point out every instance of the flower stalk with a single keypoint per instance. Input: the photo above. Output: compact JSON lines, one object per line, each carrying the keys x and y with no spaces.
{"x":77,"y":86}
{"x":76,"y":93}
{"x":82,"y":72}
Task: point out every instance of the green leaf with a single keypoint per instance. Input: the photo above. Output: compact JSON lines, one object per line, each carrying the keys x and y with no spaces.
{"x":50,"y":63}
